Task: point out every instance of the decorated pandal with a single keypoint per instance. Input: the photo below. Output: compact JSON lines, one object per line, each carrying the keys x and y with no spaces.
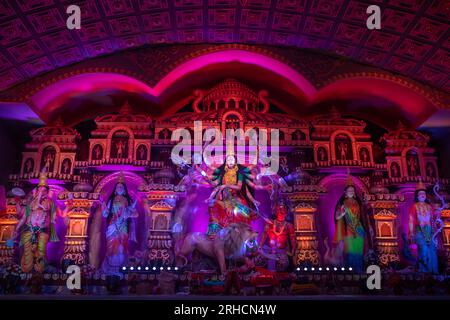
{"x":137,"y":223}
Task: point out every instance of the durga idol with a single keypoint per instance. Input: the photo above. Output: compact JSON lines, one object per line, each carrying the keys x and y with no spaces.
{"x":232,"y":199}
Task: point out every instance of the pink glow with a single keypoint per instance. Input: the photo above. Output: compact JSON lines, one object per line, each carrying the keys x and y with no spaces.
{"x":54,"y":95}
{"x":414,"y":106}
{"x":241,"y":56}
{"x":117,"y":167}
{"x":49,"y":181}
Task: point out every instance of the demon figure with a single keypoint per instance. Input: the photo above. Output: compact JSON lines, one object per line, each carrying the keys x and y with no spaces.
{"x":280,"y":236}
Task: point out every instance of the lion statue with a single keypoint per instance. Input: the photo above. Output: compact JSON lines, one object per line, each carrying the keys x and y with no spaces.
{"x":231,"y":242}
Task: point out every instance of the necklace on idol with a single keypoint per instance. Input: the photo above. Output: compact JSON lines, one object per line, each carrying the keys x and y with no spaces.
{"x":277,"y":223}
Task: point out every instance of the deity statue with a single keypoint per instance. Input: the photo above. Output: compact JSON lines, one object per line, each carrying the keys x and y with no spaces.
{"x":280,"y":236}
{"x":29,"y":166}
{"x":97,"y":152}
{"x":66,"y":166}
{"x":120,"y":212}
{"x":48,"y":162}
{"x":193,"y":178}
{"x":164,"y":134}
{"x":430,"y":170}
{"x":423,"y":230}
{"x":284,"y":165}
{"x":364,"y":155}
{"x":342,"y":151}
{"x":120,"y":146}
{"x":142,"y":153}
{"x":36,"y":227}
{"x":322,"y":154}
{"x":412,"y":166}
{"x":232,"y":199}
{"x":351,"y":226}
{"x":395,"y":170}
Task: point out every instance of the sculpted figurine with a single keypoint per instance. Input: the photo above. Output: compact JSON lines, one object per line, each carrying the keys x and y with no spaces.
{"x":36,"y":227}
{"x":424,"y":226}
{"x":351,"y":226}
{"x":281,"y":239}
{"x":120,"y":212}
{"x":231,"y":199}
{"x":231,"y":242}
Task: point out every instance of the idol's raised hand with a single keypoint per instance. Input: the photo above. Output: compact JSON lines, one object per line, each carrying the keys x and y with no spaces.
{"x":133,"y":206}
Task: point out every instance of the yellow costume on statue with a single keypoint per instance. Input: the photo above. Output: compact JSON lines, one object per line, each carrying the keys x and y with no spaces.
{"x":37,"y":223}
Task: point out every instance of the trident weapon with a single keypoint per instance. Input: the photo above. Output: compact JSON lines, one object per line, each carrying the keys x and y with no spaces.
{"x":439,"y":224}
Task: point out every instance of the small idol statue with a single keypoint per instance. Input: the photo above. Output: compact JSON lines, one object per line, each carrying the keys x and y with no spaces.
{"x":36,"y":227}
{"x":351,"y":226}
{"x":120,"y":212}
{"x":280,"y":236}
{"x":424,"y":226}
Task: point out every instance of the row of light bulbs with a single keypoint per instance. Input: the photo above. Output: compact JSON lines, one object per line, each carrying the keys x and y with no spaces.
{"x":324,"y":269}
{"x":139,"y":268}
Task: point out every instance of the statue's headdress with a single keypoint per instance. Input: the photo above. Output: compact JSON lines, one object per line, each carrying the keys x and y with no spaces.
{"x":121,"y":177}
{"x":230,"y":154}
{"x":349,"y":179}
{"x":43,"y":180}
{"x":421,"y":186}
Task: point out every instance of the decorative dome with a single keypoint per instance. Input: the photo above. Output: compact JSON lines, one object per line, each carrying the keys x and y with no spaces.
{"x":230,"y":94}
{"x":404,"y":135}
{"x":57,"y":129}
{"x":230,"y":89}
{"x":54,"y":131}
{"x":125,"y":115}
{"x":334,"y":118}
{"x":187,"y":118}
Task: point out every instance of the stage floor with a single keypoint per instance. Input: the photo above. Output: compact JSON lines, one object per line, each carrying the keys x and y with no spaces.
{"x":223,"y":297}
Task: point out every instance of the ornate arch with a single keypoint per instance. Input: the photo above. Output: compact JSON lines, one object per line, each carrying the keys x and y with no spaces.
{"x":405,"y":163}
{"x":333,"y":143}
{"x":330,"y":179}
{"x":112,"y":179}
{"x":130,"y":141}
{"x":56,"y":160}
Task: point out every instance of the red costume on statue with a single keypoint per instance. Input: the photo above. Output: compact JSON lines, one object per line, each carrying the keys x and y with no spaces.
{"x":279,"y":232}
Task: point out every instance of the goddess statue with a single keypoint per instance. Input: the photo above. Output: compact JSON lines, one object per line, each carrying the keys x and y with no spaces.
{"x":120,"y":212}
{"x":232,"y":199}
{"x":423,"y":230}
{"x":351,"y":226}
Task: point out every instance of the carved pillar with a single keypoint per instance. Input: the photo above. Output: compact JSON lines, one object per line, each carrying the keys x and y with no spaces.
{"x":8,"y":222}
{"x":75,"y":246}
{"x":306,"y":234}
{"x":304,"y":198}
{"x":384,"y":210}
{"x":160,"y":210}
{"x":445,"y":216}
